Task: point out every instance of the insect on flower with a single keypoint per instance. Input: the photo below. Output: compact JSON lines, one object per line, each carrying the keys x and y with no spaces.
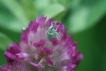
{"x":41,"y":49}
{"x":51,"y":32}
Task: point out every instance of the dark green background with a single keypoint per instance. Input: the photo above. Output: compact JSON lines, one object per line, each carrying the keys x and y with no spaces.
{"x":84,"y":19}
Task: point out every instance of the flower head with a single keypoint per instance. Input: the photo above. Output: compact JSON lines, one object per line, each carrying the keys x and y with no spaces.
{"x":17,"y":67}
{"x":44,"y":46}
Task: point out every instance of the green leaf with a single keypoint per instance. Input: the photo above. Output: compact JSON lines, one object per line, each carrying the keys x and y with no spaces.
{"x":9,"y":21}
{"x":2,"y":58}
{"x":86,"y":16}
{"x":63,"y":2}
{"x":54,"y":10}
{"x":16,"y":10}
{"x":4,"y":41}
{"x":29,"y":8}
{"x":41,"y":6}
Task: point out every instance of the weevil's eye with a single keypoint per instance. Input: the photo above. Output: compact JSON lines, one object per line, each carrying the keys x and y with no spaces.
{"x":51,"y":32}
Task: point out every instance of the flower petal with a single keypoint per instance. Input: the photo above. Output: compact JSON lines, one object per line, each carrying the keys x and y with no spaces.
{"x":50,"y":61}
{"x":48,"y":24}
{"x":35,"y":65}
{"x":39,"y":43}
{"x":54,"y":41}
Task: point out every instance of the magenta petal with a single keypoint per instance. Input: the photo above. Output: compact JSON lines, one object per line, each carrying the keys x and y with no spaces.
{"x":79,"y":58}
{"x":63,"y":68}
{"x":36,"y":56}
{"x":48,"y":24}
{"x":54,"y":41}
{"x":39,"y":43}
{"x":64,"y":36}
{"x":37,"y":19}
{"x":30,"y":24}
{"x":24,"y":37}
{"x":68,"y":41}
{"x":35,"y":65}
{"x":48,"y":51}
{"x":70,"y":67}
{"x":60,"y":27}
{"x":34,"y":27}
{"x":45,"y":50}
{"x":9,"y":56}
{"x":14,"y":48}
{"x":64,"y":57}
{"x":41,"y":21}
{"x":50,"y":61}
{"x":41,"y":51}
{"x":76,"y":53}
{"x":75,"y":44}
{"x":22,"y":55}
{"x":58,"y":23}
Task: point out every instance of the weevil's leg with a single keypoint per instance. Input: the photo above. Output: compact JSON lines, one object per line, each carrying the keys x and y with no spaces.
{"x":57,"y":27}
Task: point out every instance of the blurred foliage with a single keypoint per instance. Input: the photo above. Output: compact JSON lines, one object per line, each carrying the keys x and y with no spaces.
{"x":5,"y":40}
{"x":54,"y":10}
{"x":84,"y":19}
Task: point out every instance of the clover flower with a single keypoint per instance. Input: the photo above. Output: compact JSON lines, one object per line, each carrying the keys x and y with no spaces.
{"x":44,"y":46}
{"x":17,"y":67}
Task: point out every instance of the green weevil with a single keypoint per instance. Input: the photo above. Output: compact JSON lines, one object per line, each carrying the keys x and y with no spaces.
{"x":51,"y":32}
